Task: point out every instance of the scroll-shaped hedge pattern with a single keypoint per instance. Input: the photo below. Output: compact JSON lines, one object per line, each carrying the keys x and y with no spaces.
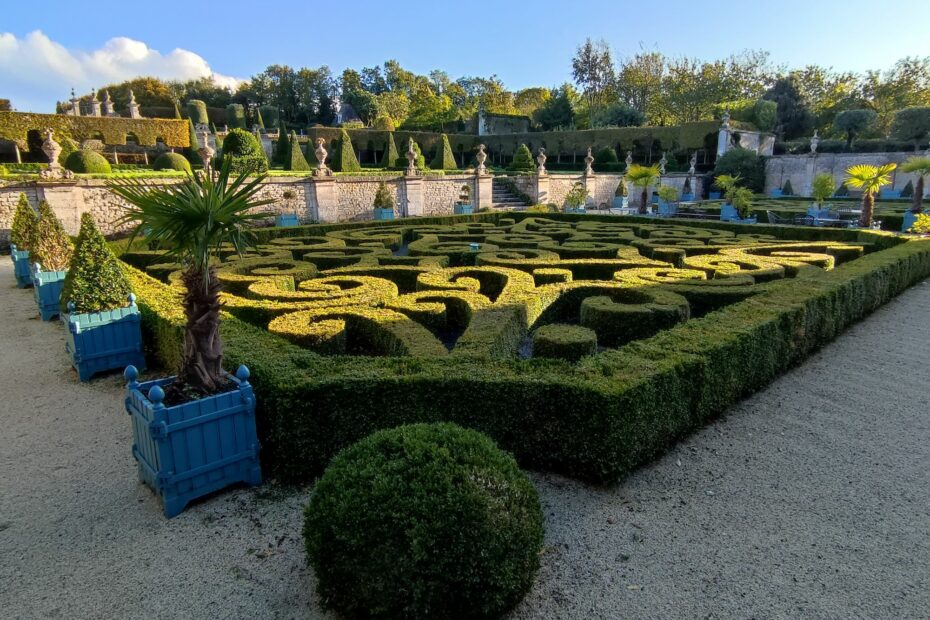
{"x":484,"y":289}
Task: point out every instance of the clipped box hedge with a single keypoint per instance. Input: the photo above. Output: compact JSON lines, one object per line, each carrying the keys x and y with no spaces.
{"x":596,"y":419}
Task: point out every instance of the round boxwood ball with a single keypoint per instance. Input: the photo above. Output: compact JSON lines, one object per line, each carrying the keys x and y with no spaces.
{"x":424,"y":520}
{"x":568,"y":342}
{"x":172,"y":161}
{"x":87,"y":162}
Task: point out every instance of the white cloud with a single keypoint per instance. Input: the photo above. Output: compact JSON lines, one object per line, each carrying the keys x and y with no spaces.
{"x":35,"y":71}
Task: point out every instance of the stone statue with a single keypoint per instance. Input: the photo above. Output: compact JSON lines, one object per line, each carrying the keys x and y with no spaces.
{"x":692,"y":163}
{"x":541,"y":160}
{"x":108,"y":104}
{"x":94,"y":103}
{"x":481,"y":156}
{"x":411,"y":154}
{"x":815,"y":140}
{"x":321,"y":170}
{"x":133,"y":106}
{"x":588,"y":160}
{"x":725,"y":119}
{"x":52,"y":150}
{"x":75,"y":104}
{"x":206,"y":152}
{"x":662,"y":163}
{"x":628,"y":160}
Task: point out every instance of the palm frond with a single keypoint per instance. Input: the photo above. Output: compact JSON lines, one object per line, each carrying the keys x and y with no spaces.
{"x":917,"y":165}
{"x":869,"y":178}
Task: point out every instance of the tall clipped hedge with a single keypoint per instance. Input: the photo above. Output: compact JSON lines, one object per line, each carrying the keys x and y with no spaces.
{"x":51,"y":246}
{"x":197,"y":112}
{"x":344,"y":159}
{"x":522,"y":160}
{"x":295,"y":160}
{"x":424,"y":521}
{"x":390,"y":157}
{"x":25,"y":220}
{"x":444,"y":159}
{"x":282,"y":148}
{"x":192,"y":151}
{"x":95,"y":280}
{"x":244,"y":152}
{"x":235,"y":116}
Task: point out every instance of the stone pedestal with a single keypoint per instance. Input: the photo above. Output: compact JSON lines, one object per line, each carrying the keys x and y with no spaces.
{"x":723,"y":141}
{"x":809,"y":176}
{"x":326,"y":198}
{"x":590,"y":184}
{"x":542,"y":189}
{"x":484,"y":198}
{"x":413,"y":204}
{"x":67,"y":202}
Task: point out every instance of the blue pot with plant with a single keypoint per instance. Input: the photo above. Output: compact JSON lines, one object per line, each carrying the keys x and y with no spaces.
{"x":464,"y":206}
{"x":22,"y":233}
{"x":384,"y":203}
{"x":180,"y":422}
{"x":576,"y":198}
{"x":50,"y":255}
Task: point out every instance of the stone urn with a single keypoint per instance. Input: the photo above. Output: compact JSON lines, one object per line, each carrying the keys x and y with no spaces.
{"x":52,"y":150}
{"x":320,"y":151}
{"x":206,"y":152}
{"x":481,"y":157}
{"x":588,"y":160}
{"x":541,"y":161}
{"x":411,"y":159}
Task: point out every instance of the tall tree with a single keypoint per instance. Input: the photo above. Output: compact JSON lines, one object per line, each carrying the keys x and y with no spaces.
{"x":794,"y":118}
{"x":593,"y":70}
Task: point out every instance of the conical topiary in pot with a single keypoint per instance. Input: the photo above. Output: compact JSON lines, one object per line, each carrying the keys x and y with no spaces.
{"x":384,"y":203}
{"x":104,"y":328}
{"x":50,"y":253}
{"x":22,"y":232}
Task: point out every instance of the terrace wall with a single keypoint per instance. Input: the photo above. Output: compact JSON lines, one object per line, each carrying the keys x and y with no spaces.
{"x":801,"y":169}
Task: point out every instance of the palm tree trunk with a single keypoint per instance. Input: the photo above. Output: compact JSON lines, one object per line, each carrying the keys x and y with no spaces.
{"x":202,"y":366}
{"x":644,"y":207}
{"x":917,"y":204}
{"x":868,"y":205}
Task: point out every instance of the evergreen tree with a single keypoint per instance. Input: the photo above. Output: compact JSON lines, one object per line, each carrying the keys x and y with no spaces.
{"x":282,"y":148}
{"x":389,"y":160}
{"x":261,"y":147}
{"x":522,"y":160}
{"x":259,"y":122}
{"x":235,"y":116}
{"x":95,"y":281}
{"x":310,"y":153}
{"x":51,"y":246}
{"x":296,"y":160}
{"x":24,"y":224}
{"x":344,"y":159}
{"x":213,"y":129}
{"x":192,"y":155}
{"x":177,"y":111}
{"x":444,"y":159}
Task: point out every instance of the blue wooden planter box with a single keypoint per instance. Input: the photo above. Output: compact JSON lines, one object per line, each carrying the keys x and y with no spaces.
{"x":908,"y":220}
{"x":46,"y":286}
{"x":286,"y":220}
{"x":667,"y":209}
{"x":728,"y":213}
{"x":463,"y":209}
{"x":889,"y":194}
{"x":20,"y":260}
{"x":713,"y":196}
{"x":621,"y":202}
{"x":384,"y":214}
{"x":99,"y":341}
{"x":193,"y":449}
{"x":687,"y":197}
{"x":776,"y":193}
{"x":576,"y":210}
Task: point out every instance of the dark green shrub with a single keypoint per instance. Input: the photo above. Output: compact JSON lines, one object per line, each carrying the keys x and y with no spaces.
{"x":344,"y":159}
{"x":197,"y":112}
{"x":444,"y":159}
{"x":171,"y":161}
{"x":606,"y":156}
{"x":911,"y":125}
{"x":908,"y":191}
{"x":89,"y":162}
{"x":244,"y":152}
{"x":282,"y":147}
{"x":295,"y":160}
{"x":568,"y":342}
{"x":50,"y":246}
{"x":235,"y":116}
{"x":390,"y":157}
{"x":853,"y":122}
{"x":842,"y":191}
{"x":68,"y":146}
{"x":745,"y":164}
{"x":192,"y":155}
{"x":95,"y":280}
{"x":423,"y":521}
{"x":269,"y":115}
{"x":23,"y":229}
{"x":384,"y":199}
{"x":786,"y":189}
{"x":522,"y":160}
{"x":258,"y":121}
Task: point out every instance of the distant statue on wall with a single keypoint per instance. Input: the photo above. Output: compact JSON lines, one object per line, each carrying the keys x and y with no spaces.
{"x":541,"y":160}
{"x":320,"y":151}
{"x":588,"y":160}
{"x":52,"y":150}
{"x":815,"y":141}
{"x":481,"y":157}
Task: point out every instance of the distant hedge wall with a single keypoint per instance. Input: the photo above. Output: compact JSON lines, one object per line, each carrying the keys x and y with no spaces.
{"x":16,"y":125}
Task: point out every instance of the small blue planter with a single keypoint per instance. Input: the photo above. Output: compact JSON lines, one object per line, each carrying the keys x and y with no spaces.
{"x":889,"y":194}
{"x":687,"y":197}
{"x":286,"y":220}
{"x":189,"y":450}
{"x":713,"y":196}
{"x":728,"y":213}
{"x":99,"y":341}
{"x":463,"y":209}
{"x":776,"y":193}
{"x":384,"y":214}
{"x":621,"y":202}
{"x":667,"y":209}
{"x":20,"y":260}
{"x":576,"y":210}
{"x":908,"y":220}
{"x":46,"y":286}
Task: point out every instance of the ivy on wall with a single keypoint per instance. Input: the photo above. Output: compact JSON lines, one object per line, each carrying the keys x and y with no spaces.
{"x":112,"y":130}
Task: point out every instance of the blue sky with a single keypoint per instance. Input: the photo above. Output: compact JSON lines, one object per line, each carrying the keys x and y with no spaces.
{"x":525,"y":43}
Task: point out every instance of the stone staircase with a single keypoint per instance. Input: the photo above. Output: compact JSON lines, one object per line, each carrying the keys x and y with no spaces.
{"x":503,"y":198}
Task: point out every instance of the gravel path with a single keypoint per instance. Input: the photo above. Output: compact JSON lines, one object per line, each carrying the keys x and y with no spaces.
{"x":808,"y":500}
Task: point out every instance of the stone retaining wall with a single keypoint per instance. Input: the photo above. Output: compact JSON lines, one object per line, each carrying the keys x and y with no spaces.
{"x":801,"y":169}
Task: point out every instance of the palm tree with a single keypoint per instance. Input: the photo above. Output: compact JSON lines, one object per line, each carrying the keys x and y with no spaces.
{"x":644,"y":177}
{"x":869,"y":179}
{"x":192,"y":220}
{"x":921,"y":167}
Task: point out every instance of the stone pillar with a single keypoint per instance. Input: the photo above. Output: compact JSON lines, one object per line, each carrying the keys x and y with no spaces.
{"x":327,"y":199}
{"x":542,"y":189}
{"x":809,"y":175}
{"x":413,"y":204}
{"x":94,"y":104}
{"x":19,"y":159}
{"x":311,"y":212}
{"x":723,"y":136}
{"x":133,"y":106}
{"x":484,"y":198}
{"x":67,"y":202}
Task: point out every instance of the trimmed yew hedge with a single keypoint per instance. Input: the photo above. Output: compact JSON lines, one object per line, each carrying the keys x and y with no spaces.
{"x":596,"y":419}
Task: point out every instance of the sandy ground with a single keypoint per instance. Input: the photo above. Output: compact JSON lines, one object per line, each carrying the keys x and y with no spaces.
{"x":808,"y":500}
